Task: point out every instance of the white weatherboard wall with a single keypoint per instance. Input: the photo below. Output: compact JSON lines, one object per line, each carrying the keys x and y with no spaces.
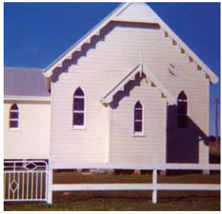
{"x":150,"y":148}
{"x":98,"y":70}
{"x":31,"y":140}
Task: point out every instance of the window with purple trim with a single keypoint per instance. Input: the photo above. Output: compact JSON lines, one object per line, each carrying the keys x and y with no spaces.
{"x":138,"y":118}
{"x":14,"y":117}
{"x":79,"y":108}
{"x":182,"y":106}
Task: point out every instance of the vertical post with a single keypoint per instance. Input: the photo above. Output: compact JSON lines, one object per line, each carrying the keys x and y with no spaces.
{"x":111,"y":171}
{"x":137,"y":172}
{"x":141,"y":63}
{"x":216,"y":123}
{"x":154,"y":195}
{"x":79,"y":170}
{"x":109,"y":118}
{"x":49,"y":186}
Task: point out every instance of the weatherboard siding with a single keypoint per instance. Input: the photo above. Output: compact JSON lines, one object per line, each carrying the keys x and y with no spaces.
{"x":32,"y":139}
{"x":126,"y":148}
{"x":97,"y":71}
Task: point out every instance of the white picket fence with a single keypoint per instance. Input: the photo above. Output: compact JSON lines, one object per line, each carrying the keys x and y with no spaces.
{"x":33,"y":181}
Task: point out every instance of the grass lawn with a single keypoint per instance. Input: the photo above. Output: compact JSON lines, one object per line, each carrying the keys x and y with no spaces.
{"x":127,"y":200}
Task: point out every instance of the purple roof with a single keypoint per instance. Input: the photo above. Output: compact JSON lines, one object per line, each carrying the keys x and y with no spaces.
{"x":24,"y":82}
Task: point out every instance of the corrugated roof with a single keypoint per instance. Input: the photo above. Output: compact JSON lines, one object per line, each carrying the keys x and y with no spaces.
{"x":24,"y":82}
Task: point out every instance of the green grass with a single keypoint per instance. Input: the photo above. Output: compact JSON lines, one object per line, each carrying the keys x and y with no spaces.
{"x":127,"y":200}
{"x":179,"y":177}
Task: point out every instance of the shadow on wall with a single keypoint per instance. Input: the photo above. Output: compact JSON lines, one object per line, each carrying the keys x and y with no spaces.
{"x":126,"y":92}
{"x":94,"y":41}
{"x":183,"y":144}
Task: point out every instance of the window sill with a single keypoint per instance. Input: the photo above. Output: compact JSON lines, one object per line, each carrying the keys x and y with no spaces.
{"x":15,"y":129}
{"x":78,"y":128}
{"x":139,"y":135}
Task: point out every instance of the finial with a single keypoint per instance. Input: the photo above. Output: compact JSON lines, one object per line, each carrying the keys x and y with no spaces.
{"x":141,"y":63}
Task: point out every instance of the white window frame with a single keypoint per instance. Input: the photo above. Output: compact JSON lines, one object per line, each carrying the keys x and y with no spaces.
{"x":13,"y":119}
{"x":79,"y":127}
{"x":138,"y":134}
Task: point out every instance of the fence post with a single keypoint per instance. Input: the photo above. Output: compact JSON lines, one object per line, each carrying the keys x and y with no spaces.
{"x":154,"y":194}
{"x":49,"y":189}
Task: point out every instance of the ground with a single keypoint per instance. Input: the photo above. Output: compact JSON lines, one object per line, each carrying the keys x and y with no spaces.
{"x":128,"y":200}
{"x":214,"y":152}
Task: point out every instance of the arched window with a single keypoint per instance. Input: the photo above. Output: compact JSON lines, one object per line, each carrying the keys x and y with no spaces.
{"x":78,"y":108}
{"x":138,"y":118}
{"x":182,"y":106}
{"x":14,"y":116}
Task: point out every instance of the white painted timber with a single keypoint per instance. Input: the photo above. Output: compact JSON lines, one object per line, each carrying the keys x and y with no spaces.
{"x":148,"y":166}
{"x":131,"y":186}
{"x":97,"y":72}
{"x":26,"y":98}
{"x":100,"y":187}
{"x":77,"y":46}
{"x":191,"y":166}
{"x":132,"y":76}
{"x":154,"y":186}
{"x":189,"y":187}
{"x":25,"y":180}
{"x":130,"y":13}
{"x":31,"y":140}
{"x":49,"y":184}
{"x":126,"y":147}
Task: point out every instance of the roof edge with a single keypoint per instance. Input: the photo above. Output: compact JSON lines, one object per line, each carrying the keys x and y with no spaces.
{"x":94,"y":31}
{"x":107,"y":99}
{"x":27,"y":98}
{"x":213,"y":77}
{"x":48,"y":71}
{"x":28,"y":68}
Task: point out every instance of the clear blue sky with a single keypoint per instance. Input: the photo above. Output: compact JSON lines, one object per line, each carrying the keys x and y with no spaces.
{"x":35,"y":34}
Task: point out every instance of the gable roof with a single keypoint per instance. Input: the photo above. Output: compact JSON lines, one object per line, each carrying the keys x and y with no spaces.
{"x":131,"y":12}
{"x":24,"y":82}
{"x":140,"y":68}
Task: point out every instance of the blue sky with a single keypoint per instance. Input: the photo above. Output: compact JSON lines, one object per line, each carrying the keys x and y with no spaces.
{"x":35,"y":34}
